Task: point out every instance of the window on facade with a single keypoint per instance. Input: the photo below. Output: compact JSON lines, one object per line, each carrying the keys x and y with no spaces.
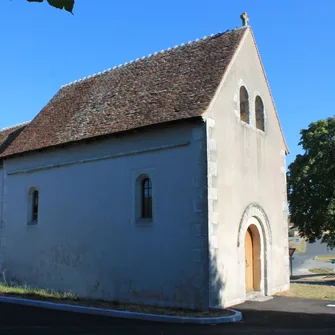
{"x":259,"y":110}
{"x":244,"y":105}
{"x":146,"y":199}
{"x":34,"y":212}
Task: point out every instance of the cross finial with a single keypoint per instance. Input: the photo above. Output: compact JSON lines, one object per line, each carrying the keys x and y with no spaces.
{"x":245,"y":19}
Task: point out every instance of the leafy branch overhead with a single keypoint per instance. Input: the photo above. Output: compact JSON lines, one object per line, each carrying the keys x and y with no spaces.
{"x":61,"y":4}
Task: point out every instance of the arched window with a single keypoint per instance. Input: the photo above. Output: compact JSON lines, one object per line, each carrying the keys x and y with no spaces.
{"x":34,"y":216}
{"x":33,"y":206}
{"x":244,"y":105}
{"x":259,"y":109}
{"x":146,"y":199}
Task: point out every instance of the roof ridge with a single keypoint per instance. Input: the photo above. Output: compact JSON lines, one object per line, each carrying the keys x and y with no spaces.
{"x":16,"y":125}
{"x":150,"y":55}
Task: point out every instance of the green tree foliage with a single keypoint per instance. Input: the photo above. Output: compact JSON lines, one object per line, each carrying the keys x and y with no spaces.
{"x":66,"y":4}
{"x":311,"y":183}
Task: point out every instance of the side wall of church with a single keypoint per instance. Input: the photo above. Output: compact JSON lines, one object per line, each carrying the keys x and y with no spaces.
{"x":89,"y":238}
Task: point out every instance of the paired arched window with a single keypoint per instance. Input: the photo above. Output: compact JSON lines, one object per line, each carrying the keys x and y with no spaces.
{"x":146,"y":199}
{"x":259,"y":111}
{"x":244,"y":105}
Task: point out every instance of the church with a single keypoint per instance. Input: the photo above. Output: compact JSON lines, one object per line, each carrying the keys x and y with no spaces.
{"x":160,"y":181}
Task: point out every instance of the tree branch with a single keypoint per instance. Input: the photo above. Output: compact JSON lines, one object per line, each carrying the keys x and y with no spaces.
{"x":68,"y":5}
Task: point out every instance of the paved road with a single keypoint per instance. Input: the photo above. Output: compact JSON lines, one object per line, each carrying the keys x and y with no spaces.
{"x":281,"y":315}
{"x":303,"y":262}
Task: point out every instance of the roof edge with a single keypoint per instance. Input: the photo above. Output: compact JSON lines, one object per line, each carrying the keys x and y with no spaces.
{"x":4,"y":156}
{"x":151,"y":55}
{"x":16,"y":126}
{"x":248,"y":29}
{"x":226,"y":72}
{"x":268,"y":85}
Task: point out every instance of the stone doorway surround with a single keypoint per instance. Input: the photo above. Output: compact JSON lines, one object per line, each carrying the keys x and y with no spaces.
{"x":255,"y":216}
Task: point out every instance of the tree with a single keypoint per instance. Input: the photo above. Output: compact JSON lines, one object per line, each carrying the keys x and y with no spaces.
{"x":66,"y":4}
{"x":311,"y":183}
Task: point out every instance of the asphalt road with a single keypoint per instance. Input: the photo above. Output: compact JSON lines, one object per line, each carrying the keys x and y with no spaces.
{"x":281,"y":315}
{"x":303,"y":262}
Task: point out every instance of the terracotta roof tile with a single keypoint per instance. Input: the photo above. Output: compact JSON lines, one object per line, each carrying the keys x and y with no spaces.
{"x":8,"y":135}
{"x":172,"y":85}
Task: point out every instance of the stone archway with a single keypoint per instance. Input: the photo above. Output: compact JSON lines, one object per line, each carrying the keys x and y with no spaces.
{"x":255,"y":222}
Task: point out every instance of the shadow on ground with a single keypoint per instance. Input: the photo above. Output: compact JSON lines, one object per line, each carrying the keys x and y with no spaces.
{"x":288,"y":320}
{"x":22,"y":320}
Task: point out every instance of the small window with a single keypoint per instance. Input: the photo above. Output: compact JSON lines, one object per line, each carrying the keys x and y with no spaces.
{"x":259,"y":108}
{"x":244,"y":105}
{"x":34,"y":216}
{"x":146,"y":199}
{"x":33,"y":206}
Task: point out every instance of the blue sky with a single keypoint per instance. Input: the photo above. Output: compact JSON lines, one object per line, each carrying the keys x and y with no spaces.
{"x":43,"y":48}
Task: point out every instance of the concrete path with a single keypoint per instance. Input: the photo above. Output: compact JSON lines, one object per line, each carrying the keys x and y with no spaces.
{"x":280,"y":315}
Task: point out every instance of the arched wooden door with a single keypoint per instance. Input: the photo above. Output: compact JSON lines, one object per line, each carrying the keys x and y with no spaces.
{"x":249,"y":277}
{"x":252,"y":260}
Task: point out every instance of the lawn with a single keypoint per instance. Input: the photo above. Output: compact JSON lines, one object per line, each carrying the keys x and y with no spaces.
{"x":27,"y":292}
{"x":326,"y":258}
{"x":32,"y":293}
{"x":310,"y":291}
{"x":322,"y":271}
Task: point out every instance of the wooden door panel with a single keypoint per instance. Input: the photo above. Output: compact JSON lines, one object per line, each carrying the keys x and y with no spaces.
{"x":249,"y":266}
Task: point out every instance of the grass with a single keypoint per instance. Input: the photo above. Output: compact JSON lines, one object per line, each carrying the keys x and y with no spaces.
{"x":326,"y":258}
{"x":322,"y":271}
{"x":310,"y":291}
{"x":300,"y":246}
{"x":27,"y":292}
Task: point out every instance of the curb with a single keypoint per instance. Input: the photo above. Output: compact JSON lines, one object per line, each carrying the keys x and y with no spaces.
{"x":236,"y":317}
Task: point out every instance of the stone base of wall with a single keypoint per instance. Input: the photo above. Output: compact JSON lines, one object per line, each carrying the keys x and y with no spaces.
{"x":238,"y":301}
{"x":281,"y":288}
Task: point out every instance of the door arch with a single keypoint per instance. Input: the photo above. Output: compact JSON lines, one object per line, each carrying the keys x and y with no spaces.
{"x":254,"y":215}
{"x":252,"y":259}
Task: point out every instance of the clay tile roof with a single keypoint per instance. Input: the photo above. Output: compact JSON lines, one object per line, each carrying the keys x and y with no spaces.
{"x":171,"y":85}
{"x":8,"y":135}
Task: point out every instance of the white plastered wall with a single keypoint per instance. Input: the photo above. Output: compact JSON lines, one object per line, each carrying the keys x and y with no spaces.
{"x":246,"y":178}
{"x":88,"y":240}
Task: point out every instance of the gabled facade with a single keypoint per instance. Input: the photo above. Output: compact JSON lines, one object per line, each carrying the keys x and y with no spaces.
{"x":246,"y":183}
{"x":159,"y":182}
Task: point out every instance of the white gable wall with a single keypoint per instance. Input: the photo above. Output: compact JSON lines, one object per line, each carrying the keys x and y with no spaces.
{"x":87,"y":240}
{"x":246,"y":179}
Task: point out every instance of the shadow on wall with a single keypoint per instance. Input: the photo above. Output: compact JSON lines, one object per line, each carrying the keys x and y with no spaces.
{"x":216,"y":282}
